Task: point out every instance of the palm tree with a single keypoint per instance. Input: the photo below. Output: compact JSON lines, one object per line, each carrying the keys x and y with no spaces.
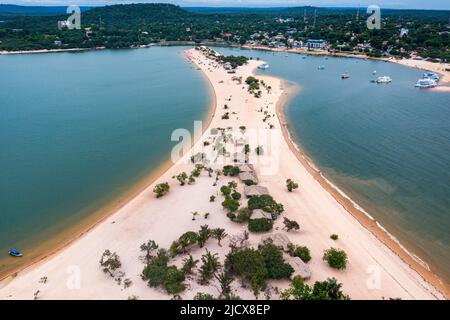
{"x":210,"y":264}
{"x":203,"y":235}
{"x":219,"y":234}
{"x":194,"y":214}
{"x":225,"y":280}
{"x":186,"y":240}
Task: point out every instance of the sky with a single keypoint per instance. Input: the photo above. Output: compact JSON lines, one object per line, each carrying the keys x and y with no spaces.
{"x":399,"y":4}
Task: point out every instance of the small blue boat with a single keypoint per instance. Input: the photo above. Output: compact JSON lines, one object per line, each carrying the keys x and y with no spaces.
{"x":15,"y":253}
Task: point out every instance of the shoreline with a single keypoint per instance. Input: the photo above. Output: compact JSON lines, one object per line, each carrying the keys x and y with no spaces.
{"x":443,"y":85}
{"x":280,"y":105}
{"x":50,"y":249}
{"x":364,"y":218}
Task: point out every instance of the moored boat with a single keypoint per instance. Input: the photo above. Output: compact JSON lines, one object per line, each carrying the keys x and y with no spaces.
{"x":345,"y":75}
{"x":384,"y":79}
{"x":431,"y":75}
{"x":264,"y":66}
{"x":425,"y":83}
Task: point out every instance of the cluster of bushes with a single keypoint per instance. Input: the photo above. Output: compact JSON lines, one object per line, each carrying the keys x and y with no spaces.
{"x":336,"y":258}
{"x":329,"y":289}
{"x":265,"y":203}
{"x":161,"y":189}
{"x":256,"y":266}
{"x":253,"y":86}
{"x":235,"y":61}
{"x":232,"y":171}
{"x":260,"y":225}
{"x":249,"y":182}
{"x":291,"y":185}
{"x":158,"y":273}
{"x":301,"y":252}
{"x":191,"y":238}
{"x":242,"y":216}
{"x":232,"y":197}
{"x":290,"y":224}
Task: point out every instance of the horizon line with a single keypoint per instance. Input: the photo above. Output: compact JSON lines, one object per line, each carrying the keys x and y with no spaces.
{"x":229,"y":7}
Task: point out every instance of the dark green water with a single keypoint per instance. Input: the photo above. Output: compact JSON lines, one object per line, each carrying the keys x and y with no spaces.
{"x":79,"y":129}
{"x":386,"y":146}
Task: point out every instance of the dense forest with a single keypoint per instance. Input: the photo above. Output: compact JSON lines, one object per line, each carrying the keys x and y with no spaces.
{"x":121,"y":26}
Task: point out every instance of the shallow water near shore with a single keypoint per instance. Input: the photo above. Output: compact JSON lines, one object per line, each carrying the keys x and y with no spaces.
{"x":385,"y":146}
{"x":79,"y":130}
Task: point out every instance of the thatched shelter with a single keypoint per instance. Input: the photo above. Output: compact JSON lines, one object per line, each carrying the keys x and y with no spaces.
{"x":251,"y":191}
{"x":279,"y":239}
{"x":300,"y":268}
{"x":240,"y":157}
{"x":244,"y":176}
{"x":246,"y":168}
{"x":260,"y":214}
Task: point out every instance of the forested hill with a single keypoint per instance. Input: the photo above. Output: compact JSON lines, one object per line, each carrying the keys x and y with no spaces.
{"x":120,"y":26}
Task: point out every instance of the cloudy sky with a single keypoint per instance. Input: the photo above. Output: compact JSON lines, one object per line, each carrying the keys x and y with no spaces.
{"x":410,"y":4}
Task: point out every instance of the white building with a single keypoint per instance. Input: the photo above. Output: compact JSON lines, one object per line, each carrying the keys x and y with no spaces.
{"x":314,"y":44}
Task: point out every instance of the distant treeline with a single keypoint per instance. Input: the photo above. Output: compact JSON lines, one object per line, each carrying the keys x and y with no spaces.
{"x":121,"y":26}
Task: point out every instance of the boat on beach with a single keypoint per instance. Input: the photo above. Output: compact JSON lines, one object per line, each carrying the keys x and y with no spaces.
{"x":15,"y":253}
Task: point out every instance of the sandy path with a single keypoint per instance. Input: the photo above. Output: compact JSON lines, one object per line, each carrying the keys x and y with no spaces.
{"x":74,"y":273}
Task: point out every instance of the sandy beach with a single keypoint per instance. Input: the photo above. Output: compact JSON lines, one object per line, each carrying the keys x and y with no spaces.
{"x":376,"y":270}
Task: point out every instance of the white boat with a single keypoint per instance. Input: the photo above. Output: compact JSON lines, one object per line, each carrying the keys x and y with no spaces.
{"x":431,"y":75}
{"x":374,"y":72}
{"x":426,"y":83}
{"x":345,"y":75}
{"x":264,"y":66}
{"x":321,"y":67}
{"x":384,"y":79}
